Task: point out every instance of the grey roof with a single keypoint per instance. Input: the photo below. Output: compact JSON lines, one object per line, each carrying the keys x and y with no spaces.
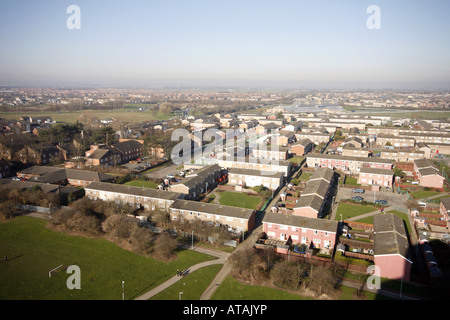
{"x":428,"y":172}
{"x":298,"y":221}
{"x":212,"y":208}
{"x":390,"y":236}
{"x":313,"y":201}
{"x":424,"y":163}
{"x":261,"y":173}
{"x":350,"y":158}
{"x":137,"y":191}
{"x":128,"y":145}
{"x":53,"y":174}
{"x":46,"y":187}
{"x":322,"y":173}
{"x":318,"y":187}
{"x":376,"y":171}
{"x":446,"y":203}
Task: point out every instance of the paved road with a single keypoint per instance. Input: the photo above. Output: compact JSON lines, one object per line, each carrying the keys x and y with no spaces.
{"x":162,"y":172}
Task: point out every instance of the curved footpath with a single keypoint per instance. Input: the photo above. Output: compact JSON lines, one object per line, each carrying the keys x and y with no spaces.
{"x":222,"y":258}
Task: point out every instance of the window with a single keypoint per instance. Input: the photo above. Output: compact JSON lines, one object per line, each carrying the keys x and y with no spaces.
{"x":316,"y":232}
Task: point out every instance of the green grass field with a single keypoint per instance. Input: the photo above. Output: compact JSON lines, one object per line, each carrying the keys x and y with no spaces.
{"x":33,"y":250}
{"x":231,"y":289}
{"x":241,"y":200}
{"x":424,"y":194}
{"x":352,"y":210}
{"x":192,"y":286}
{"x":72,"y":117}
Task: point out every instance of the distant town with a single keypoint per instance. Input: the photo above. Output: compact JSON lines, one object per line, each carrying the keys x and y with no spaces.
{"x":301,"y":190}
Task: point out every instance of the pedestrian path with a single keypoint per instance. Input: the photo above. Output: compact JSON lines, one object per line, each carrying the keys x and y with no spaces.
{"x":222,"y":257}
{"x":369,"y":214}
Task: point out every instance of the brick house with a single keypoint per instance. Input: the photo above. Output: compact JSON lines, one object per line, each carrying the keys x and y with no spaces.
{"x":302,"y":147}
{"x":379,"y":177}
{"x":40,"y":154}
{"x":129,"y":149}
{"x":234,"y":218}
{"x":444,"y":210}
{"x":316,"y":194}
{"x":428,"y":174}
{"x":313,"y":232}
{"x":103,"y":157}
{"x":392,"y":253}
{"x":199,"y":182}
{"x":350,"y":165}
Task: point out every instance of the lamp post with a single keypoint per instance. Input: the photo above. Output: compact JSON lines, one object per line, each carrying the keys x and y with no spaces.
{"x":123,"y":293}
{"x":192,"y":240}
{"x":179,"y":295}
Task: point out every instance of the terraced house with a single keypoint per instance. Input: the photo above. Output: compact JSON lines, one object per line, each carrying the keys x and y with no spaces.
{"x":316,"y":194}
{"x":347,"y":164}
{"x":135,"y":196}
{"x":313,"y":232}
{"x":199,"y":182}
{"x":234,"y":218}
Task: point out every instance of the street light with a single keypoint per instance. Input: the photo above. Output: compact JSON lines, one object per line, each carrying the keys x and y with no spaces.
{"x":179,"y":295}
{"x":192,"y":240}
{"x":123,"y":293}
{"x":341,"y":216}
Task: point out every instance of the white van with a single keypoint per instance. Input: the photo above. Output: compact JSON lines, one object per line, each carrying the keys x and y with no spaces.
{"x":422,"y":204}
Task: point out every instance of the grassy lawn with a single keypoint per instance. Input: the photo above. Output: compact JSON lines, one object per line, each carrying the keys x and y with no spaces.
{"x":72,"y":117}
{"x":352,"y":210}
{"x":192,"y":285}
{"x":33,"y":250}
{"x":424,"y":194}
{"x":144,"y":184}
{"x":305,"y":176}
{"x":242,"y":200}
{"x":351,"y":181}
{"x":231,"y":289}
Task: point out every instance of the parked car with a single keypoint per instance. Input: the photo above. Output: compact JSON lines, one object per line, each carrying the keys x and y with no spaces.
{"x":382,"y":202}
{"x":359,"y":190}
{"x":422,"y":204}
{"x":170,"y":176}
{"x":357,"y":198}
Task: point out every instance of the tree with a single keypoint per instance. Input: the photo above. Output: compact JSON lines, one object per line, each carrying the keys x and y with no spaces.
{"x":165,"y":246}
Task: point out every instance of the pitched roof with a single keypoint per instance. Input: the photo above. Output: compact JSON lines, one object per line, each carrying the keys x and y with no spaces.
{"x":136,"y":191}
{"x":299,"y":221}
{"x":259,"y":173}
{"x":390,"y":236}
{"x":212,"y":208}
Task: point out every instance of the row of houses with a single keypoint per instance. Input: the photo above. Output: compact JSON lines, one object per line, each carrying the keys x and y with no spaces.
{"x":316,"y":194}
{"x":175,"y":203}
{"x":122,"y":152}
{"x":62,"y":176}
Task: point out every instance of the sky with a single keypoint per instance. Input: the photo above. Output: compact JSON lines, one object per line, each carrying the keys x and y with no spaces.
{"x":316,"y":44}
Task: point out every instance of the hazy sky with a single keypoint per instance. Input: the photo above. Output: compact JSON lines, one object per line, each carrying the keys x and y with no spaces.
{"x":312,"y":44}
